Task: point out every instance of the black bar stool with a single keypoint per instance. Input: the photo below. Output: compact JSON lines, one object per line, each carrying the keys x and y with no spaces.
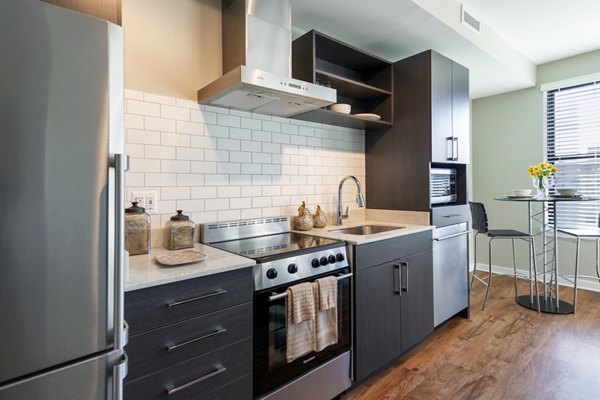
{"x":578,"y":234}
{"x":480,"y":224}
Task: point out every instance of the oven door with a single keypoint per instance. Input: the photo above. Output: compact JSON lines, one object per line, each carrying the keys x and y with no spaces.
{"x":271,"y":370}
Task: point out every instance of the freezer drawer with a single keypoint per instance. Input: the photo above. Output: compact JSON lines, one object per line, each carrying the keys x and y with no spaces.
{"x":97,"y":378}
{"x":450,"y":271}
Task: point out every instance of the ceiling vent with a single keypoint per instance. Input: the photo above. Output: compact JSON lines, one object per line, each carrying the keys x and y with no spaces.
{"x":468,"y":20}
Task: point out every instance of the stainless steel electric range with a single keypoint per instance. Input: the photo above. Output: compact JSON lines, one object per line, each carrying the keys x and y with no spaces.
{"x":283,"y":259}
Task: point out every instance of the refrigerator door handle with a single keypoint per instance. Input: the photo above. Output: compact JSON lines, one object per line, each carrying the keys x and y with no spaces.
{"x":120,"y":165}
{"x":120,"y":371}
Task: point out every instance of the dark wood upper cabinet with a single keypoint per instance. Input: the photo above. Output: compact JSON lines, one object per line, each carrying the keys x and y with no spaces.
{"x":109,"y":10}
{"x":362,"y":80}
{"x":431,"y":127}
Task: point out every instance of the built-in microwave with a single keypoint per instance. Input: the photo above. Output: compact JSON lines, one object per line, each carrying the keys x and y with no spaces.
{"x":442,"y":185}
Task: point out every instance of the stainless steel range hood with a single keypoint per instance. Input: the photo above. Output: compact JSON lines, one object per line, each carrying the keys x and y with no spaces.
{"x":257,"y":54}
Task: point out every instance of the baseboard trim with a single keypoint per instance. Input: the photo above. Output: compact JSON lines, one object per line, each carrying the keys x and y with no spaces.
{"x":497,"y":269}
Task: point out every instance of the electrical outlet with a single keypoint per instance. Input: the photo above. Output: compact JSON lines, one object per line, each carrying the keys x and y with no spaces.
{"x":151,"y":202}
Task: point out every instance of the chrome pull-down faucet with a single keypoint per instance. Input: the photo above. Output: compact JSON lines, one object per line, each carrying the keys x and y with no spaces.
{"x":360,"y":199}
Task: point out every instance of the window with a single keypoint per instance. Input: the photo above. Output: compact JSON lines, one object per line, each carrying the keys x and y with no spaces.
{"x":572,"y":143}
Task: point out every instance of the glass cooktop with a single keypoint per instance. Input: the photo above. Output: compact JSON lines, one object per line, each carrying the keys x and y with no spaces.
{"x":263,"y":248}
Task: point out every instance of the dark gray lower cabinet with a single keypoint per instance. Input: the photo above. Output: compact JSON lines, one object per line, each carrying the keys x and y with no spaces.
{"x":393,"y":305}
{"x":191,"y":339}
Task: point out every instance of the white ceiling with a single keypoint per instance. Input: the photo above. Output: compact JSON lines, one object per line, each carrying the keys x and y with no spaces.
{"x":516,"y":34}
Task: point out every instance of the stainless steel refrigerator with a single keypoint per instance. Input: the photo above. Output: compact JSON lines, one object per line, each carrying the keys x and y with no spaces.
{"x":61,"y":201}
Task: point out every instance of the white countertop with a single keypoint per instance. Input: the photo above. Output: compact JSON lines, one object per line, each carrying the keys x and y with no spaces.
{"x":144,"y":271}
{"x":406,"y":229}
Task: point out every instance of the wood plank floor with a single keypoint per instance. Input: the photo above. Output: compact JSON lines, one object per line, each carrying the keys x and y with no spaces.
{"x":505,"y":352}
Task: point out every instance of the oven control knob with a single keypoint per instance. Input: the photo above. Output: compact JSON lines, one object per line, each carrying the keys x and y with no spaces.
{"x":292,"y":268}
{"x":324,"y":261}
{"x":340,"y":257}
{"x":271,"y":273}
{"x":332,"y":259}
{"x":315,"y":263}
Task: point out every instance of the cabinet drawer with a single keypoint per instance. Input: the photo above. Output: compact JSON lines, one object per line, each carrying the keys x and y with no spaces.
{"x":236,"y":390}
{"x":380,"y":252}
{"x":151,"y":308}
{"x":196,"y":377}
{"x":160,"y":348}
{"x":450,"y":215}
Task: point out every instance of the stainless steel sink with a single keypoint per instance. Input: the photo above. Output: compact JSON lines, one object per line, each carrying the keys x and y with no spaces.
{"x":366,"y":229}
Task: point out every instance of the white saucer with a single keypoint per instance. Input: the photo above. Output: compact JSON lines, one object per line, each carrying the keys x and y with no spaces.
{"x":373,"y":117}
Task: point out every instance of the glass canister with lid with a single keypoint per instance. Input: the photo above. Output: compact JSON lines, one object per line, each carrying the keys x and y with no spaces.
{"x":179,"y":232}
{"x":137,"y":230}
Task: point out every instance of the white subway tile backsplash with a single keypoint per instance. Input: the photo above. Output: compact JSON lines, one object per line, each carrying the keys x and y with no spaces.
{"x":229,"y":215}
{"x":161,"y":152}
{"x":240,"y":133}
{"x":175,"y":166}
{"x":134,"y":150}
{"x":228,"y":144}
{"x":219,"y":164}
{"x":185,"y":153}
{"x":134,"y":121}
{"x":204,"y":167}
{"x":216,"y":180}
{"x":240,"y":203}
{"x":251,"y":191}
{"x":190,"y":128}
{"x":190,"y":205}
{"x":250,"y":146}
{"x":143,"y":165}
{"x":240,"y":180}
{"x":136,"y":107}
{"x":204,"y":192}
{"x":216,"y":131}
{"x":159,"y":124}
{"x":240,"y":156}
{"x":205,"y":117}
{"x":228,"y":120}
{"x":250,"y":123}
{"x":190,"y":179}
{"x":142,"y":137}
{"x":228,"y":168}
{"x":174,"y":139}
{"x":175,"y":193}
{"x":216,"y":204}
{"x":228,"y":191}
{"x":153,"y":179}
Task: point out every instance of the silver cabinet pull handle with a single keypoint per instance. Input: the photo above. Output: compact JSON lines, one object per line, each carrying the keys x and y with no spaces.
{"x":452,"y":236}
{"x":397,"y":278}
{"x":456,"y":141}
{"x":186,"y":343}
{"x":450,"y":149}
{"x":206,"y":296}
{"x":404,"y":276}
{"x":216,"y":372}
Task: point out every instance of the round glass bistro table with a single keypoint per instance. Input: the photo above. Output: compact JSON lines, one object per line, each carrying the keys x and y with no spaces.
{"x":546,"y":236}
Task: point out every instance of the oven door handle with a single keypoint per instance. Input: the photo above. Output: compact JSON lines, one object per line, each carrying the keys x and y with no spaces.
{"x":276,"y":296}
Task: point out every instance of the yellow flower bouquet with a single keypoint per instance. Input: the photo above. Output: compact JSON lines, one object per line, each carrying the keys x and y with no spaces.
{"x":543,"y":177}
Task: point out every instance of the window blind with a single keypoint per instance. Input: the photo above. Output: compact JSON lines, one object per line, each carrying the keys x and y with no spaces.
{"x":572,"y":143}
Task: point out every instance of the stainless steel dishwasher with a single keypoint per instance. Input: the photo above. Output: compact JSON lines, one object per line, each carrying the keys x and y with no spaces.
{"x":450,"y":271}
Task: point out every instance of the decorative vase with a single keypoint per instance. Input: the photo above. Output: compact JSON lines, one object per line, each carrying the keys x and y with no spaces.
{"x":304,"y":220}
{"x":542,"y":185}
{"x":320,"y":219}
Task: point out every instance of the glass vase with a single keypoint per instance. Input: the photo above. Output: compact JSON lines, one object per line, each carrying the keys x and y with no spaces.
{"x":542,"y":185}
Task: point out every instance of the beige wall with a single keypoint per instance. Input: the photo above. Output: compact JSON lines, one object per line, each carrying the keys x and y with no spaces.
{"x":172,"y":47}
{"x":507,"y":138}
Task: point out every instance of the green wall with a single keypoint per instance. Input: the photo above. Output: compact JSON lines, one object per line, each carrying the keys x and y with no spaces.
{"x":507,"y":137}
